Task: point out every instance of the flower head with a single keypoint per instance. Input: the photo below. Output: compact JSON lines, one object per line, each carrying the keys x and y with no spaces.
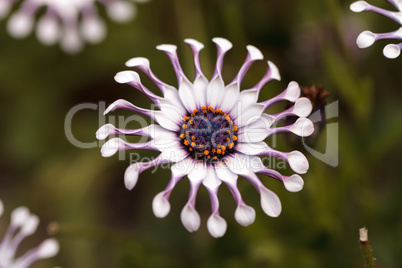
{"x":70,"y":22}
{"x":23,"y":224}
{"x":367,"y":38}
{"x":213,"y":133}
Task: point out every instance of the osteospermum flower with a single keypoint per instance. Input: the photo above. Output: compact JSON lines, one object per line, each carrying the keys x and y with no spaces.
{"x":23,"y":224}
{"x":213,"y":133}
{"x":70,"y":22}
{"x":367,"y":38}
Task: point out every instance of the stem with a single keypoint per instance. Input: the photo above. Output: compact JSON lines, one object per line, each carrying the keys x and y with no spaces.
{"x":366,"y":249}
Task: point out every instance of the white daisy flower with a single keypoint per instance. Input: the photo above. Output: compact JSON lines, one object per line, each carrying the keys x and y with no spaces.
{"x":23,"y":224}
{"x":367,"y":38}
{"x":213,"y":133}
{"x":70,"y":22}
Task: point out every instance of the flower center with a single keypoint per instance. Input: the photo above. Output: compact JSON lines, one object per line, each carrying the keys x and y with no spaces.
{"x":208,"y":135}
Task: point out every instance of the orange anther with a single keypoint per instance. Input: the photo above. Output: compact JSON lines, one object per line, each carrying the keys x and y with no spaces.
{"x":210,"y":108}
{"x":234,"y":137}
{"x":235,"y":128}
{"x":204,"y":107}
{"x":186,"y":142}
{"x":206,"y":152}
{"x":218,"y":151}
{"x":187,"y":118}
{"x":193,"y":144}
{"x":193,"y":138}
{"x":184,"y":126}
{"x":230,"y":145}
{"x":195,"y":111}
{"x":182,"y":136}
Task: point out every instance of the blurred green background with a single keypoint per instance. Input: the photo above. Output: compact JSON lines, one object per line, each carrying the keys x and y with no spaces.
{"x":101,"y":224}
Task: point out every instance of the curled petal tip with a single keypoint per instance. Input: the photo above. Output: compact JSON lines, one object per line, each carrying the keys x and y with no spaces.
{"x":216,"y":226}
{"x":48,"y":31}
{"x":138,"y":61}
{"x":245,"y":215}
{"x":359,"y":6}
{"x":131,"y":176}
{"x":167,"y":48}
{"x":391,"y":51}
{"x":48,"y":248}
{"x":270,"y":202}
{"x":93,"y":30}
{"x":111,"y":147}
{"x":303,"y":127}
{"x":30,"y":225}
{"x":120,"y":11}
{"x":190,"y":218}
{"x":104,"y":131}
{"x":160,"y":205}
{"x":255,"y":53}
{"x":294,"y":183}
{"x":126,"y":77}
{"x":292,"y":91}
{"x":194,"y":43}
{"x":274,"y":71}
{"x":19,"y":216}
{"x":20,"y":25}
{"x":223,"y":43}
{"x":303,"y":107}
{"x":298,"y":162}
{"x":365,"y":39}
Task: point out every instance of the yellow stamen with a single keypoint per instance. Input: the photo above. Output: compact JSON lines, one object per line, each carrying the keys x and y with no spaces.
{"x":184,"y":126}
{"x":210,"y":108}
{"x":193,"y":144}
{"x":204,"y":107}
{"x":218,"y":110}
{"x":218,"y":151}
{"x":230,"y":145}
{"x":186,"y":142}
{"x":182,"y":136}
{"x":195,"y":111}
{"x":235,"y":128}
{"x":186,"y":118}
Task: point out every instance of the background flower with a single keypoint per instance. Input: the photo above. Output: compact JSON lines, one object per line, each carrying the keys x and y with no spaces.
{"x":22,"y":225}
{"x":69,"y":22}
